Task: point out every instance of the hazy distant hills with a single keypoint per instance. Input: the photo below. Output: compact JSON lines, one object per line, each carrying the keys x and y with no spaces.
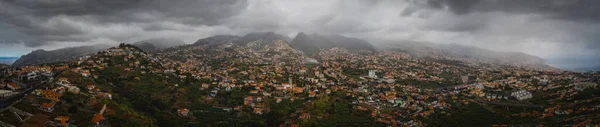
{"x":260,"y":36}
{"x":311,"y":44}
{"x":41,"y":56}
{"x":467,"y":54}
{"x":158,"y":44}
{"x":583,"y":69}
{"x":8,"y":60}
{"x":3,"y":65}
{"x":218,"y":39}
{"x":250,"y":37}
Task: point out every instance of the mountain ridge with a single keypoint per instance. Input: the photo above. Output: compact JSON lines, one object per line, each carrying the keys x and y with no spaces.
{"x":311,"y":44}
{"x":41,"y":56}
{"x":157,"y":44}
{"x":467,"y":54}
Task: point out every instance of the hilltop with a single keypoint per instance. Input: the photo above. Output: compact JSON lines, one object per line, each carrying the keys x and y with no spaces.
{"x":41,"y":56}
{"x":158,"y":44}
{"x":468,"y":55}
{"x":311,"y":44}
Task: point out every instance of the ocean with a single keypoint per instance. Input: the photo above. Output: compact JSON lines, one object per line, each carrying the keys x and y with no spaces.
{"x":8,"y":60}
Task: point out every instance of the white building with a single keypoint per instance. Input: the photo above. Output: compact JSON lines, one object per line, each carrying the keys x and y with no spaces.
{"x":32,"y":75}
{"x":6,"y":93}
{"x":522,"y":95}
{"x":373,"y":73}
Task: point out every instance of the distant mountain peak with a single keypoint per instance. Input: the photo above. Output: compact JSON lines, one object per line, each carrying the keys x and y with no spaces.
{"x":311,"y":44}
{"x":156,"y":44}
{"x":263,"y":36}
{"x":41,"y":56}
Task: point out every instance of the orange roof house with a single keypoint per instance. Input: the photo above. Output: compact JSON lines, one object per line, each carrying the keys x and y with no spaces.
{"x":63,"y":120}
{"x":52,"y":95}
{"x":13,"y":86}
{"x":47,"y":107}
{"x":183,"y":111}
{"x":304,"y":116}
{"x":91,"y":86}
{"x":97,"y":118}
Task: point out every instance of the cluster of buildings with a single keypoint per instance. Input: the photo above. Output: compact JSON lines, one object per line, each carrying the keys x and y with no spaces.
{"x":521,"y":95}
{"x":397,"y":90}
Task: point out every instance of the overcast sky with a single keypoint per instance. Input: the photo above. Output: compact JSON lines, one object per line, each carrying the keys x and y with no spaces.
{"x":566,"y":32}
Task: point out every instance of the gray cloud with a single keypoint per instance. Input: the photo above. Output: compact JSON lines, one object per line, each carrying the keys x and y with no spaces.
{"x":70,"y":20}
{"x":579,"y":10}
{"x":547,"y":28}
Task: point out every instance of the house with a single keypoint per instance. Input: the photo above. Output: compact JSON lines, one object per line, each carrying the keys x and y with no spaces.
{"x":249,"y":98}
{"x":258,"y":111}
{"x":63,"y":120}
{"x":522,"y":95}
{"x":105,"y":95}
{"x":73,"y":89}
{"x":304,"y":116}
{"x":97,"y":118}
{"x":13,"y":86}
{"x":63,"y":67}
{"x":52,"y":95}
{"x":183,"y":111}
{"x":85,"y":73}
{"x":373,"y":73}
{"x":47,"y":73}
{"x":6,"y":93}
{"x":258,"y":99}
{"x":213,"y":93}
{"x":91,"y":87}
{"x":48,"y":107}
{"x":584,"y":85}
{"x":253,"y":91}
{"x":32,"y":76}
{"x":312,"y":94}
{"x":298,"y":90}
{"x":204,"y":86}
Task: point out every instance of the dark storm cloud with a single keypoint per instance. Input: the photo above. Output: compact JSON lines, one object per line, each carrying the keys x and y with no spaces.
{"x":70,"y":20}
{"x":114,"y":10}
{"x":577,"y":10}
{"x":72,"y":7}
{"x":546,"y":28}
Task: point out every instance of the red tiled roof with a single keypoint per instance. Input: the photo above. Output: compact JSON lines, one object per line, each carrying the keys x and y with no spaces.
{"x":47,"y":105}
{"x":97,"y":118}
{"x":14,"y":85}
{"x":183,"y":110}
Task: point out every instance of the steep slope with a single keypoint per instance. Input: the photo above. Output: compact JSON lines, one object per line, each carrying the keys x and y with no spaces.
{"x":146,"y":46}
{"x":264,"y":37}
{"x":158,"y":44}
{"x":41,"y":56}
{"x":310,"y":44}
{"x":261,"y":37}
{"x":218,"y":39}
